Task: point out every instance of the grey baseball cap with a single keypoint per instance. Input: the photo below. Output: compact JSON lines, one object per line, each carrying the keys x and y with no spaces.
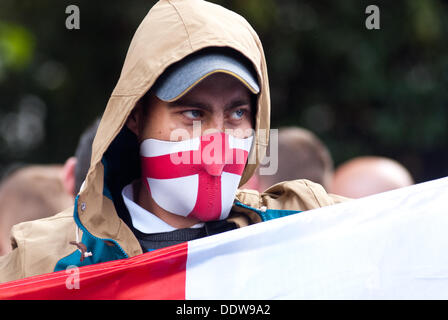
{"x":182,"y":76}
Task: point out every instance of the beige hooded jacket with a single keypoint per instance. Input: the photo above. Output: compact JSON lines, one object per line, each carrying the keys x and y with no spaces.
{"x":171,"y":30}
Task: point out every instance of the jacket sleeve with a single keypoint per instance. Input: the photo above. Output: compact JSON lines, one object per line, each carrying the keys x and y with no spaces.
{"x":11,"y":264}
{"x":299,"y":195}
{"x":38,"y":245}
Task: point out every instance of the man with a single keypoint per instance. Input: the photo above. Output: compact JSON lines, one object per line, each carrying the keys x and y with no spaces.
{"x":186,"y":124}
{"x":39,"y":191}
{"x":301,"y":155}
{"x":74,"y":176}
{"x":368,"y":175}
{"x":30,"y":193}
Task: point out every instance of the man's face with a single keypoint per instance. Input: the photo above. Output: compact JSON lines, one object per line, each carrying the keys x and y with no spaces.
{"x":219,"y":103}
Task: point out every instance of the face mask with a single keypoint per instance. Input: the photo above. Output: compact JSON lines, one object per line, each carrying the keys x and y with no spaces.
{"x":197,"y":177}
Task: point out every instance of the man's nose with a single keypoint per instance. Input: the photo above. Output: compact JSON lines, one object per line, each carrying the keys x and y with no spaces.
{"x":216,"y":153}
{"x":214,"y":169}
{"x":214,"y":124}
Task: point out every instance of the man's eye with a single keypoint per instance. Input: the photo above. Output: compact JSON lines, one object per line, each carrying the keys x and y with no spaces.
{"x":238,"y":114}
{"x":192,"y":114}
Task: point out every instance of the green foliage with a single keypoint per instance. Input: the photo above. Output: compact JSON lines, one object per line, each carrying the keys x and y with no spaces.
{"x":16,"y":46}
{"x":362,"y":91}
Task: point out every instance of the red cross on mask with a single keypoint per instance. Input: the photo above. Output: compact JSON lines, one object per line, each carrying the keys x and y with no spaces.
{"x":197,"y":177}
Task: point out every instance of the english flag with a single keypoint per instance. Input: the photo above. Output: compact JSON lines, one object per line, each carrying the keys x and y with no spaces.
{"x":388,"y":246}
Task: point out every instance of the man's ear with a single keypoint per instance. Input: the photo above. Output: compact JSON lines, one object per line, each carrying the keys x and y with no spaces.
{"x":134,"y":120}
{"x":68,"y":175}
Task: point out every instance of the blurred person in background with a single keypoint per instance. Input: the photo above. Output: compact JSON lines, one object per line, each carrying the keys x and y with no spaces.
{"x":38,"y":191}
{"x":30,"y":193}
{"x":368,"y":175}
{"x":82,"y":157}
{"x":301,"y":155}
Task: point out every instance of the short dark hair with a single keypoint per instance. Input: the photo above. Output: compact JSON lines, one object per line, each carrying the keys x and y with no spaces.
{"x":301,"y":155}
{"x":83,"y":154}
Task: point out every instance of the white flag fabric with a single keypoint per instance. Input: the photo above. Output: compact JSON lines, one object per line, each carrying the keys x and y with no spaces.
{"x":387,"y":246}
{"x":392,"y":245}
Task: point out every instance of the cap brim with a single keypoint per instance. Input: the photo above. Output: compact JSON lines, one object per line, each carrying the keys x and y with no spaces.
{"x":180,"y":78}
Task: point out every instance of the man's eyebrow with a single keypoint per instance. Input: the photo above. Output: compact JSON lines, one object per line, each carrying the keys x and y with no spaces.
{"x":187,"y":103}
{"x":196,"y":104}
{"x":237,"y":103}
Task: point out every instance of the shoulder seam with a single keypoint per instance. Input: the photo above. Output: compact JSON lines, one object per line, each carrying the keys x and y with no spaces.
{"x":311,"y":188}
{"x":21,"y":252}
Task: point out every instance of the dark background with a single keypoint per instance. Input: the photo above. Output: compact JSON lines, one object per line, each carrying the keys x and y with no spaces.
{"x":363,"y":92}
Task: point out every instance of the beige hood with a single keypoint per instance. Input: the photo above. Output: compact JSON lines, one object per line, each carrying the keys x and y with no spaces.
{"x":170,"y":31}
